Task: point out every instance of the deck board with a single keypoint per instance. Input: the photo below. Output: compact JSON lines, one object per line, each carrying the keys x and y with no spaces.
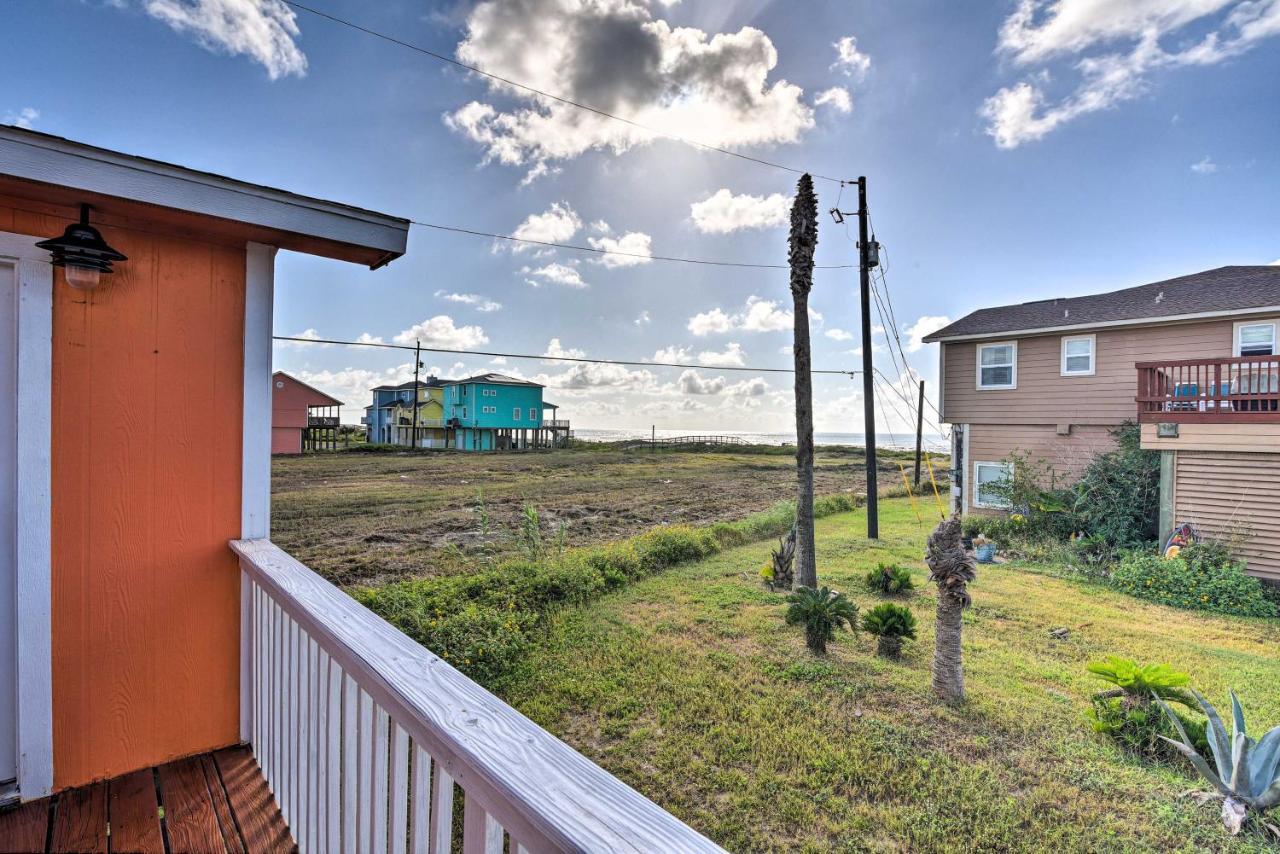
{"x":24,"y":828}
{"x":261,"y":824}
{"x":213,"y":802}
{"x":134,"y":813}
{"x":80,"y":820}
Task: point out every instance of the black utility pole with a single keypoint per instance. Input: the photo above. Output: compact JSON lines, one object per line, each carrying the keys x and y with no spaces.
{"x":417,"y":363}
{"x":868,"y":378}
{"x":919,"y":432}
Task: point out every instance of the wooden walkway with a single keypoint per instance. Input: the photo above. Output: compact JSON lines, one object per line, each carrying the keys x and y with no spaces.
{"x":684,"y":443}
{"x":215,"y":802}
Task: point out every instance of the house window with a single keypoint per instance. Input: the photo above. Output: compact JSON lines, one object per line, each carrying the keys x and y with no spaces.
{"x":464,"y":412}
{"x":1077,"y":355}
{"x":464,"y":391}
{"x":984,"y":476}
{"x":1256,"y":339}
{"x":998,"y":365}
{"x":515,"y":414}
{"x":533,"y":413}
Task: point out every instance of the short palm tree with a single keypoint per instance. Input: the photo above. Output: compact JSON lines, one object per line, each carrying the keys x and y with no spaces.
{"x":821,"y":612}
{"x":802,"y":242}
{"x":951,"y":567}
{"x":890,"y":624}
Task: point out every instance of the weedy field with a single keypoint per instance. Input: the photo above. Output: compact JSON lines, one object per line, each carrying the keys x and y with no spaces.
{"x":372,"y":517}
{"x":689,"y":686}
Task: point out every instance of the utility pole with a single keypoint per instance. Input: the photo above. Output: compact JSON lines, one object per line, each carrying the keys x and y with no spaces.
{"x":417,"y":363}
{"x":919,"y":429}
{"x":867,"y":260}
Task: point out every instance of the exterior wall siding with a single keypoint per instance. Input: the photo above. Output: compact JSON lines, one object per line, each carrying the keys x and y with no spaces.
{"x":1067,"y":456}
{"x":146,"y":495}
{"x":1044,"y":396}
{"x":1235,"y":498}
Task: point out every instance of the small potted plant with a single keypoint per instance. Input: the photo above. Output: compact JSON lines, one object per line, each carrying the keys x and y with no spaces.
{"x":984,"y":550}
{"x":970,"y":528}
{"x":891,"y":624}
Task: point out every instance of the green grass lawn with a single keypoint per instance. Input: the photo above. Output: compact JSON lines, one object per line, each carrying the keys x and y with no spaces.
{"x":689,"y":686}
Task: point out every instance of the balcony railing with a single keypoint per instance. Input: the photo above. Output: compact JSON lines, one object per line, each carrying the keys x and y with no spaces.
{"x":556,"y":424}
{"x":1241,"y":389}
{"x":362,"y":735}
{"x":322,"y":421}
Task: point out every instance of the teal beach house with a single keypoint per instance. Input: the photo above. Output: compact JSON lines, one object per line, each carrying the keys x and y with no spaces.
{"x":495,"y":412}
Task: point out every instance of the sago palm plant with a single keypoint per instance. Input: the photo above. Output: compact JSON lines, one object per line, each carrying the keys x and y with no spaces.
{"x":890,"y":579}
{"x":821,"y":612}
{"x":1248,"y":772}
{"x":890,"y":624}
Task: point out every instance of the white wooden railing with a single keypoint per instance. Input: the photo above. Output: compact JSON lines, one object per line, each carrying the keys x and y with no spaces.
{"x":362,"y":735}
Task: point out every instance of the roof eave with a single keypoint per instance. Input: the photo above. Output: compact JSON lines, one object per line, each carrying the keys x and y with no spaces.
{"x":938,"y":338}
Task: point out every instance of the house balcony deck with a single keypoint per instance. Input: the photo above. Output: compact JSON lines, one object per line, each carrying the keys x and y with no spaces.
{"x":322,"y":421}
{"x":214,"y":802}
{"x":1238,"y":390}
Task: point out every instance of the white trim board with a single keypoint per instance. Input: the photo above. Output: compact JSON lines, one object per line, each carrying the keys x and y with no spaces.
{"x":53,"y":160}
{"x":1105,"y":324}
{"x":255,"y":454}
{"x":34,"y":508}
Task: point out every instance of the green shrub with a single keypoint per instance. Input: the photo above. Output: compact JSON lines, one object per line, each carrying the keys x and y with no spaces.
{"x":1117,"y":498}
{"x":1128,"y":714}
{"x":1202,"y":577}
{"x":890,"y":579}
{"x":890,"y":624}
{"x":821,"y":612}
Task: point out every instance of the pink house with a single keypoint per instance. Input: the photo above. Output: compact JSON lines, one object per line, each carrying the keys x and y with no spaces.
{"x":294,"y":424}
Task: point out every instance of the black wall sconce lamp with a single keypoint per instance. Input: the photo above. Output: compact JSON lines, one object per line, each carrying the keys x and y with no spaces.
{"x":82,"y":253}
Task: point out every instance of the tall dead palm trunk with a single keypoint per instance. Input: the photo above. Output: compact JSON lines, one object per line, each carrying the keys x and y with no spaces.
{"x":951,"y":568}
{"x":802,"y":243}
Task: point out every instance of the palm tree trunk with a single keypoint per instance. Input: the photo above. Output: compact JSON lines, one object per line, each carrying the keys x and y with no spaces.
{"x":948,"y":669}
{"x":806,"y":562}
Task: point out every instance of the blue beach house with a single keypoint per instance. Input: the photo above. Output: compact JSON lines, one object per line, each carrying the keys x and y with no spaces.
{"x":495,"y":412}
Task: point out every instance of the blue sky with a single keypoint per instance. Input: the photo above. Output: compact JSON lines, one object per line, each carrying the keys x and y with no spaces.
{"x":1015,"y":150}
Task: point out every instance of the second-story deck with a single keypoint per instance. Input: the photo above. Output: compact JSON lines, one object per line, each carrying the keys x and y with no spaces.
{"x":1240,"y":389}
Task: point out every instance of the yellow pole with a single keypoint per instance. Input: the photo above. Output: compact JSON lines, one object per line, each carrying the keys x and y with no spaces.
{"x":938,"y":498}
{"x":910,"y":496}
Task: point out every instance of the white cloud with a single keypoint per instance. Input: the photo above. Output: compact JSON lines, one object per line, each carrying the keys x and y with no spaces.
{"x":1205,"y":166}
{"x":498,"y":360}
{"x":616,"y":56}
{"x":754,"y":387}
{"x":692,"y":382}
{"x":440,"y":331}
{"x":557,"y":273}
{"x":672,"y":354}
{"x":837,"y":98}
{"x":1275,"y":263}
{"x":732,"y":356}
{"x":1131,"y":36}
{"x":555,"y":348}
{"x":725,"y":212}
{"x":635,"y":246}
{"x":556,"y":224}
{"x":584,"y":376}
{"x":476,"y":301}
{"x":24,"y":118}
{"x":924,"y":325}
{"x":850,"y":60}
{"x":643,"y":318}
{"x":758,"y":315}
{"x":263,"y":30}
{"x":366,"y":338}
{"x":838,"y":334}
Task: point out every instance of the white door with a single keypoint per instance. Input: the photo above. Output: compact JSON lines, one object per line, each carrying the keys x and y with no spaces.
{"x":8,"y":521}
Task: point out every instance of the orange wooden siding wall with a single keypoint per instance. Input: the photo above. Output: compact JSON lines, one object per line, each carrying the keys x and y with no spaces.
{"x":146,"y":442}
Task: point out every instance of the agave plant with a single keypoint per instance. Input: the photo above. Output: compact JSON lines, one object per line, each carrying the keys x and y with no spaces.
{"x":1248,"y":772}
{"x":822,"y":612}
{"x":891,"y":624}
{"x":890,"y":579}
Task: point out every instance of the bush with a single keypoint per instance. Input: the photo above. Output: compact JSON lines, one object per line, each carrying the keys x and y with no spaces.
{"x":890,"y":580}
{"x":1202,"y":577}
{"x":821,"y":612}
{"x":1118,"y":496}
{"x":891,"y":624}
{"x":1128,"y":714}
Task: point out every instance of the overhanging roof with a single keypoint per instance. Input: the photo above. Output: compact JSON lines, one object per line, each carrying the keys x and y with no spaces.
{"x":1212,"y":293}
{"x":276,"y":217}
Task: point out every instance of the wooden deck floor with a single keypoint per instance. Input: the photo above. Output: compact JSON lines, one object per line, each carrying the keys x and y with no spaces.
{"x":216,"y":802}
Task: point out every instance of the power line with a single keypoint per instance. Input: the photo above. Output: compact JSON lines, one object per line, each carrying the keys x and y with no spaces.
{"x":581,"y":359}
{"x":599,"y":251}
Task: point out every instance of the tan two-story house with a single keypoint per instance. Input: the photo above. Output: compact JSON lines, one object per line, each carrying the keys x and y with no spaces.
{"x":1194,"y":359}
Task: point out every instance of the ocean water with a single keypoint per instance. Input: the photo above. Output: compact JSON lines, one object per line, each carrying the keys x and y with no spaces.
{"x":890,"y":440}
